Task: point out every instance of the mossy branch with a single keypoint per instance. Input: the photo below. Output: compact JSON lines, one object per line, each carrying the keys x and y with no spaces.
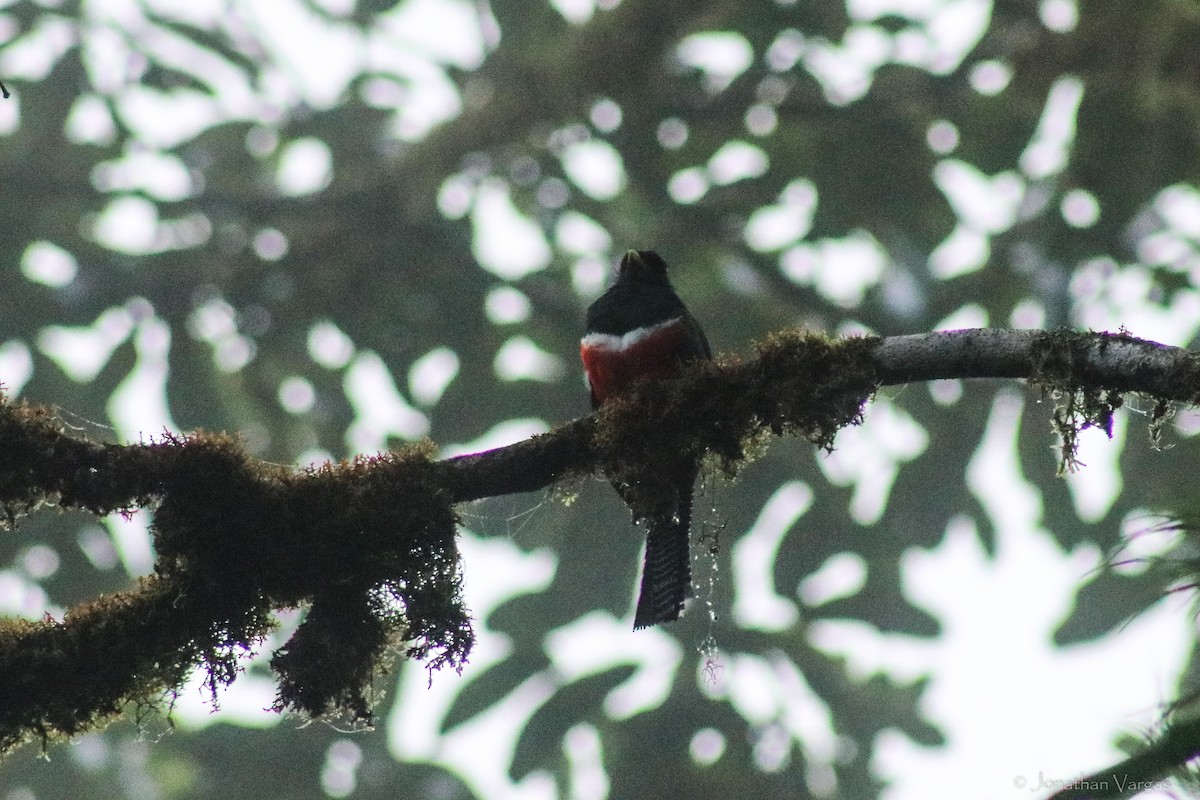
{"x":1151,"y":768}
{"x":369,"y":545}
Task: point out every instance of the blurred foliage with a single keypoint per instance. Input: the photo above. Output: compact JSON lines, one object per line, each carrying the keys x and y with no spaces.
{"x":813,"y":175}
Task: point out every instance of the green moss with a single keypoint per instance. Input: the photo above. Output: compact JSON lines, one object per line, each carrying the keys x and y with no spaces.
{"x":368,"y":545}
{"x":727,"y":410}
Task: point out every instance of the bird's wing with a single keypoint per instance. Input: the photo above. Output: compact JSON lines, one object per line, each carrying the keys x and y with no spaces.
{"x":698,"y":340}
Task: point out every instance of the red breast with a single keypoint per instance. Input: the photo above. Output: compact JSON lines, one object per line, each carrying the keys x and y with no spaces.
{"x":614,"y":363}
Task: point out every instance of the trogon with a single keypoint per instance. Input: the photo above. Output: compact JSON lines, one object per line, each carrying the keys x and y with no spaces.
{"x":639,"y":329}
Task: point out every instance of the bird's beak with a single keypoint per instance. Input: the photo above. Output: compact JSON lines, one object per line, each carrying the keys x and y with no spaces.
{"x":631,"y":260}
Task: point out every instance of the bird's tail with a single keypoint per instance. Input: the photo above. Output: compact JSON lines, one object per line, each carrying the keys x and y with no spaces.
{"x":667,"y":573}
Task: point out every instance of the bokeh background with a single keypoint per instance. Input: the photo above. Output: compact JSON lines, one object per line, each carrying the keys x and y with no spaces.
{"x":332,"y":226}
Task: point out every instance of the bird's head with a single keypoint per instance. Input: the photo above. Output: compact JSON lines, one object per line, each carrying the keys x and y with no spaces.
{"x":642,"y":266}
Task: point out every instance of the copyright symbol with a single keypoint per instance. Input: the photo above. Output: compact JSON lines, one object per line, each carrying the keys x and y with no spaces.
{"x":1019,"y":781}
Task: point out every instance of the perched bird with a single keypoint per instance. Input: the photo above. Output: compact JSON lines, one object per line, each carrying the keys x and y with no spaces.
{"x":639,"y":329}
